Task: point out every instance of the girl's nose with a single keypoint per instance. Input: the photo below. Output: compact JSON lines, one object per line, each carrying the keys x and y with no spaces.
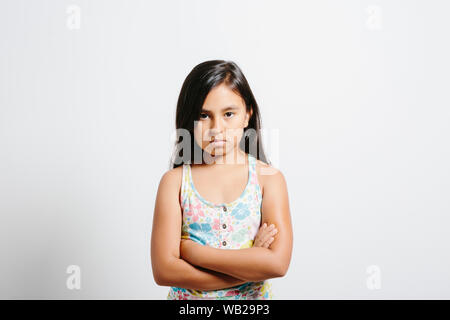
{"x":216,"y":128}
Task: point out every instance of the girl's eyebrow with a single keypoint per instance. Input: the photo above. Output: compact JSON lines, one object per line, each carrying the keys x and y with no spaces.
{"x":230,"y":107}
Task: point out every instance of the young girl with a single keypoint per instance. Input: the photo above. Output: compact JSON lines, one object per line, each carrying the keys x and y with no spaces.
{"x":221,"y":226}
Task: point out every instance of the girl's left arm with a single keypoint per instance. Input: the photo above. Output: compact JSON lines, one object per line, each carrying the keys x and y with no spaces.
{"x":256,"y":263}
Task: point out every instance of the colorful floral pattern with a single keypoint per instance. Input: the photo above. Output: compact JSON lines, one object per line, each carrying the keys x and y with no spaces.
{"x":231,"y":225}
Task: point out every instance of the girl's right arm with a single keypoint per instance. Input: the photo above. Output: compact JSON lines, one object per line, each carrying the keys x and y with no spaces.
{"x":168,"y":268}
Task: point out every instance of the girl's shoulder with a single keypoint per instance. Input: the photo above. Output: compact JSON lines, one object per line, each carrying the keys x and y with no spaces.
{"x":172,"y":179}
{"x":266,"y":173}
{"x":173,"y":174}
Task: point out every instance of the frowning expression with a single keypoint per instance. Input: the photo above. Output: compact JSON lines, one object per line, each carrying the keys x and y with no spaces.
{"x":222,"y":121}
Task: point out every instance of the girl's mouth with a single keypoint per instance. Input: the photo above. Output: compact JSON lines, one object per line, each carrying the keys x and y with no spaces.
{"x":218,"y":143}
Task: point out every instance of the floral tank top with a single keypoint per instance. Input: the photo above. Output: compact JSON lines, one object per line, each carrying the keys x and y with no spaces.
{"x":232,"y":225}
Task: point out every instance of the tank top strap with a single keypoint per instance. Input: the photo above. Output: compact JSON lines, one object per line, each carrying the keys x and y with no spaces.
{"x":254,"y":175}
{"x":251,"y":166}
{"x":184,"y":184}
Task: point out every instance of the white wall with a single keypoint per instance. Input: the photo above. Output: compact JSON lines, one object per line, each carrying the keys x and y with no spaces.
{"x":357,"y":89}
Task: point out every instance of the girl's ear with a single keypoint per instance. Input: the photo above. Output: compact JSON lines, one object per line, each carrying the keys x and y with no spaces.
{"x":247,"y":117}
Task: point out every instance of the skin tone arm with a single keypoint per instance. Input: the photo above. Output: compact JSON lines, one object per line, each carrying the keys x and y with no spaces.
{"x":256,"y":263}
{"x":168,"y":268}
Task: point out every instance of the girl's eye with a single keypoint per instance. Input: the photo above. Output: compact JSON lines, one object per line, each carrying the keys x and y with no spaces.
{"x":204,"y":114}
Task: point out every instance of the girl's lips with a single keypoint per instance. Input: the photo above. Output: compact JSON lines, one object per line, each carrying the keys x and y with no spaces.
{"x":218,"y":143}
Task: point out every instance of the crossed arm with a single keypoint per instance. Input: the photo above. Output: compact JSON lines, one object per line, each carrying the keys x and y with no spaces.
{"x":251,"y":264}
{"x":195,"y":264}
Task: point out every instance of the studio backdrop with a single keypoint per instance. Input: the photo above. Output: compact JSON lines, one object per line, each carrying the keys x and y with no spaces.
{"x":355,"y":113}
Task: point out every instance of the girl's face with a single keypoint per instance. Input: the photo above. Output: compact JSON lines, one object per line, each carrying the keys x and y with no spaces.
{"x":223,"y":118}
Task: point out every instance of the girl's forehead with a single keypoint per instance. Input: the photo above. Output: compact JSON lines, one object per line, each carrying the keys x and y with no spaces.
{"x":221,"y":98}
{"x":230,"y":107}
{"x":223,"y":90}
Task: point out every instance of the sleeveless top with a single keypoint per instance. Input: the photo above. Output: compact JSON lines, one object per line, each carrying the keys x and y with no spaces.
{"x":232,"y":225}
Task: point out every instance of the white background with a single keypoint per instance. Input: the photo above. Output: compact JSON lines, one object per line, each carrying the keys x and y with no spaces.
{"x":358,"y":91}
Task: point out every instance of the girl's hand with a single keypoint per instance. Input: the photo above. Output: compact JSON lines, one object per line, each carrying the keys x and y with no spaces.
{"x":265,"y":236}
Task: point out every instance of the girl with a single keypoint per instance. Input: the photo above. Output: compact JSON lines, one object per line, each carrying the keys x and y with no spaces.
{"x":221,"y":195}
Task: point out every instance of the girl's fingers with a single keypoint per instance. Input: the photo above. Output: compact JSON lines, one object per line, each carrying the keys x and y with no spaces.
{"x":258,"y":241}
{"x":269,"y":234}
{"x":262,"y":244}
{"x":260,"y":234}
{"x":264,"y":235}
{"x":264,"y":229}
{"x":268,"y":242}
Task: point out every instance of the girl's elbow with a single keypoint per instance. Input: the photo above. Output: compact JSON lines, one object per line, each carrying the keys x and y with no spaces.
{"x":162,"y":273}
{"x":160,"y":278}
{"x":280,"y":269}
{"x":274,"y":271}
{"x":281,"y":260}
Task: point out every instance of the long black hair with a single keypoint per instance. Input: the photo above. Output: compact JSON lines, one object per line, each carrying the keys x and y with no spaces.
{"x":204,"y":77}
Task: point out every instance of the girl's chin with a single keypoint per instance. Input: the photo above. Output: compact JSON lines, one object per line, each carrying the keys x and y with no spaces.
{"x":217,"y":151}
{"x":220,"y":149}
